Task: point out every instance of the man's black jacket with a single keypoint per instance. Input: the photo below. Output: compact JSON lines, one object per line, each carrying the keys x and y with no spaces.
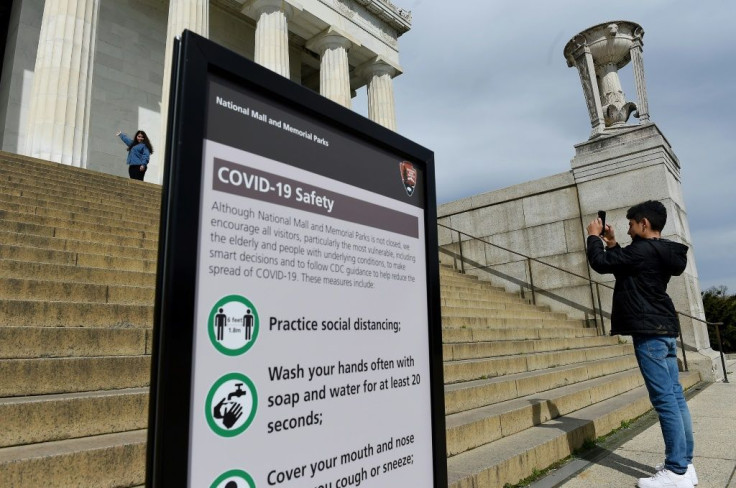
{"x":642,"y":270}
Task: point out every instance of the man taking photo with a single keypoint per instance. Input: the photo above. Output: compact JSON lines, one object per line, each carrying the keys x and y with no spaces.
{"x":642,"y":309}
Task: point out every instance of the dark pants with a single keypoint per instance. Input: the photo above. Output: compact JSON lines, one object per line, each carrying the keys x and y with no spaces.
{"x":135,"y":172}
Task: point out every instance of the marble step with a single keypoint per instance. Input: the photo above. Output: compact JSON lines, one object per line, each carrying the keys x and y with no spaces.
{"x":70,"y":273}
{"x":24,"y":313}
{"x":43,"y":290}
{"x":478,"y":350}
{"x":122,"y":229}
{"x":57,"y":342}
{"x":474,"y":428}
{"x":474,"y":369}
{"x":481,"y":334}
{"x":104,"y":460}
{"x":492,"y":303}
{"x":87,"y":184}
{"x":44,"y":418}
{"x":480,"y":311}
{"x":41,"y":199}
{"x":62,"y":212}
{"x":139,"y":240}
{"x":48,"y":208}
{"x":452,"y":321}
{"x":472,"y":394}
{"x":473,"y":292}
{"x":62,"y":171}
{"x":41,"y":376}
{"x":57,"y":243}
{"x":62,"y":197}
{"x":451,"y":278}
{"x":513,"y":458}
{"x":72,"y":258}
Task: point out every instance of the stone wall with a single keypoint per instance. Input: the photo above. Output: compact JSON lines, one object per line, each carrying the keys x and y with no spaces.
{"x":546,"y":220}
{"x":539,"y":219}
{"x":127,"y":78}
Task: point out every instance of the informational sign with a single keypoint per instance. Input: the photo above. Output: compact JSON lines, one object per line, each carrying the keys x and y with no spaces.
{"x":310,"y":353}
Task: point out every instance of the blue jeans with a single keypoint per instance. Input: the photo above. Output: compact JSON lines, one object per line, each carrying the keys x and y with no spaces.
{"x":657,"y":358}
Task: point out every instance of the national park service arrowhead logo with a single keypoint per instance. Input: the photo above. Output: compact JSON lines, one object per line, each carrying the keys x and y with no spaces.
{"x":408,"y":176}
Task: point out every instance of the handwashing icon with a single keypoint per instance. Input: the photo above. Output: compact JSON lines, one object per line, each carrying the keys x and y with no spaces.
{"x":234,"y":411}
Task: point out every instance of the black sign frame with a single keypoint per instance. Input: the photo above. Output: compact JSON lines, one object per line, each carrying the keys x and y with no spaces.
{"x":195,"y":59}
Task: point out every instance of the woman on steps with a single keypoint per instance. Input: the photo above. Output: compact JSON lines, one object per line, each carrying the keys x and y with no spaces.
{"x":139,"y":152}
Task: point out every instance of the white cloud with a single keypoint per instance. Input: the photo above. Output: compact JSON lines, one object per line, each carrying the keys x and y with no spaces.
{"x":486,"y":87}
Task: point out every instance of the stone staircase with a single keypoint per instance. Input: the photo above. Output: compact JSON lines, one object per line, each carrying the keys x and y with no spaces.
{"x":77,"y":277}
{"x":524,"y":386}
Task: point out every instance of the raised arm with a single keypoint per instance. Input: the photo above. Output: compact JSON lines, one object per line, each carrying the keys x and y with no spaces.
{"x":126,"y":140}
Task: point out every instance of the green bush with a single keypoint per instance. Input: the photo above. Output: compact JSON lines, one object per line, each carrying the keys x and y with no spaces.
{"x":721,"y":307}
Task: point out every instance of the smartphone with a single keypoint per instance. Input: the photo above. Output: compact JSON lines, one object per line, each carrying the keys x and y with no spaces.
{"x":602,"y":216}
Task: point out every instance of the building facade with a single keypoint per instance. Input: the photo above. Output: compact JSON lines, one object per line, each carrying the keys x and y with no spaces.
{"x":75,"y":72}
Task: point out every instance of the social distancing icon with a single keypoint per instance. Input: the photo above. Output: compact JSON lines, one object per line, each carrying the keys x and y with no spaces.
{"x":231,"y":404}
{"x":235,"y":478}
{"x":233,"y":325}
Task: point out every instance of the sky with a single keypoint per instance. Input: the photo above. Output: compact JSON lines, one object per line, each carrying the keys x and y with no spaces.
{"x":486,"y":87}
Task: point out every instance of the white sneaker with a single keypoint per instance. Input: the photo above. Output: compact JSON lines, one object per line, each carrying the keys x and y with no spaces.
{"x":666,"y":479}
{"x":690,"y":472}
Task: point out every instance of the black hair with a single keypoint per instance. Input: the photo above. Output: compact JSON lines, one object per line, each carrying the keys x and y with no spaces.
{"x":146,"y":141}
{"x":652,"y":210}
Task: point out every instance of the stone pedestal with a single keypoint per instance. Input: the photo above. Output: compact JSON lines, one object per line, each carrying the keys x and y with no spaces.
{"x":615,"y":172}
{"x":58,"y":120}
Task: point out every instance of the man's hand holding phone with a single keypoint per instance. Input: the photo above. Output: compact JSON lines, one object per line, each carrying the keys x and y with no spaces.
{"x":598,"y":227}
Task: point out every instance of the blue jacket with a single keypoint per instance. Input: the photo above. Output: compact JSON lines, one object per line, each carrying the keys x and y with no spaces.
{"x":138,"y":154}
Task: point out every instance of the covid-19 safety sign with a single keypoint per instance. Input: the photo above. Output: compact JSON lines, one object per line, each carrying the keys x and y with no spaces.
{"x":297,"y":337}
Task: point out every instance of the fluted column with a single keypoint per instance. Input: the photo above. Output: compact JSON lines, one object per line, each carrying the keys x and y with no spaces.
{"x":59,"y":114}
{"x":334,"y":69}
{"x":379,"y":76}
{"x":582,"y":59}
{"x":183,"y":14}
{"x":272,"y":35}
{"x":637,"y":60}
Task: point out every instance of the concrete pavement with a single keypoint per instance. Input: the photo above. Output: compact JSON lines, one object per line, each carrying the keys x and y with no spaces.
{"x":633,"y":452}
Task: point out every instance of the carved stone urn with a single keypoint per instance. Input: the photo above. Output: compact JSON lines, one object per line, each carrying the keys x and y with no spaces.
{"x":598,"y":53}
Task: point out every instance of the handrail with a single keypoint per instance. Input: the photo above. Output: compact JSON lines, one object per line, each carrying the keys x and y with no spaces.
{"x":532,"y":288}
{"x":718,"y":336}
{"x":590,"y":281}
{"x":523,"y":255}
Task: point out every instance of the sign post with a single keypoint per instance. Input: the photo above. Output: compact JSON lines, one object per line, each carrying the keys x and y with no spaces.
{"x":297,"y":336}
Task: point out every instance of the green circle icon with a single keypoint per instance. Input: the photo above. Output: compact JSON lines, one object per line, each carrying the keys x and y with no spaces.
{"x":231,"y":405}
{"x":234,"y":475}
{"x":233,"y":325}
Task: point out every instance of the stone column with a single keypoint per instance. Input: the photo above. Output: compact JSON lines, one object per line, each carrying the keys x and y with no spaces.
{"x":272,"y":35}
{"x":583,"y":61}
{"x":183,"y":14}
{"x":59,"y":114}
{"x":379,"y":76}
{"x":637,"y":60}
{"x":334,"y":70}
